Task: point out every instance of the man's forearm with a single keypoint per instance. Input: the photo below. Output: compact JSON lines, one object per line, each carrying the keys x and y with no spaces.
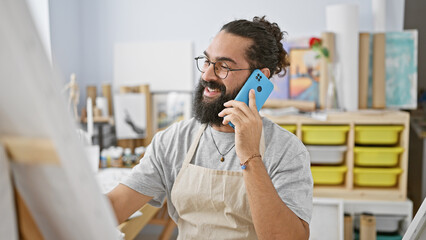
{"x":271,"y":217}
{"x":125,"y":201}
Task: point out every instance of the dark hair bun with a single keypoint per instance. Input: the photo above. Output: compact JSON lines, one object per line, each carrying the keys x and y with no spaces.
{"x":267,"y":49}
{"x":275,"y":31}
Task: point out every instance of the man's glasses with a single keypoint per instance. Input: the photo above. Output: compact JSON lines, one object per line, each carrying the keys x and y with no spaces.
{"x":221,"y":69}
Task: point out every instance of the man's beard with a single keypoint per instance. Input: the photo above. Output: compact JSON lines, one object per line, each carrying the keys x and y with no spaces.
{"x":206,"y":110}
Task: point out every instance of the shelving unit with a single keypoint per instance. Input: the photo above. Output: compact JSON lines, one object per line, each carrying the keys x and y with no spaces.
{"x":348,"y":190}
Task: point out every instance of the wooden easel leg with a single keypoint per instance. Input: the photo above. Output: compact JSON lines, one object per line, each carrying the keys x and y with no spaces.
{"x":168,"y":230}
{"x":27,"y":226}
{"x":8,"y":227}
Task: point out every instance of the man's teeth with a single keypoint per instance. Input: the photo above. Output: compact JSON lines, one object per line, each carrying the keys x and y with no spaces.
{"x":213,"y":89}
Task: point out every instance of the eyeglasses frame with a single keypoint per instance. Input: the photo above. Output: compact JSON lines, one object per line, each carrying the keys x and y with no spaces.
{"x":214,"y":67}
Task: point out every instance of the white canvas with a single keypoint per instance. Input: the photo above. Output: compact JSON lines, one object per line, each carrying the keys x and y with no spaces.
{"x":130,"y":115}
{"x":165,"y":66}
{"x":327,"y":219}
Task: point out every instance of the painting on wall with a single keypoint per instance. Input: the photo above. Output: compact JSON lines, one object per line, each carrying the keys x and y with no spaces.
{"x":401,"y":69}
{"x":130,"y":115}
{"x":281,"y":86}
{"x":304,"y":75}
{"x":281,"y":80}
{"x":282,"y":83}
{"x":170,"y":107}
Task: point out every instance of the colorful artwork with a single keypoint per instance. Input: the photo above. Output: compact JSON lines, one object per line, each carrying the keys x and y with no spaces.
{"x":304,"y":75}
{"x":171,"y":107}
{"x":401,"y":69}
{"x":282,"y":82}
{"x":281,"y":85}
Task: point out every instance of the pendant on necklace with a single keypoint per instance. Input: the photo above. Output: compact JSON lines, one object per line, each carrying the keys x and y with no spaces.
{"x":222,"y":159}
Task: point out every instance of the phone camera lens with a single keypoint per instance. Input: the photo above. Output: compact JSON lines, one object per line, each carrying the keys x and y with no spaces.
{"x":258,"y":77}
{"x":259,"y":88}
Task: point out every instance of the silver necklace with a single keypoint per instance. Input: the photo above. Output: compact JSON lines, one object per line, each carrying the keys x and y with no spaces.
{"x":222,"y":159}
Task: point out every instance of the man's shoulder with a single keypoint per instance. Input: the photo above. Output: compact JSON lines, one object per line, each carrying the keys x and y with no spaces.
{"x":278,"y":135}
{"x":273,"y":128}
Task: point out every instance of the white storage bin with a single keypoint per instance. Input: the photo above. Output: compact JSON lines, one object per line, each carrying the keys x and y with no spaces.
{"x":384,"y":223}
{"x":327,"y":154}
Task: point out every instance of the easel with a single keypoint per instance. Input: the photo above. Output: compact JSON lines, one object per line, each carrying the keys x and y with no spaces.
{"x":27,"y":151}
{"x":150,"y":215}
{"x":162,"y":218}
{"x":47,"y":190}
{"x":34,"y":151}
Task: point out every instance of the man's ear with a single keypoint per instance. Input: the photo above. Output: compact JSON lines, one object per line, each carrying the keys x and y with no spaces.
{"x":266,"y":72}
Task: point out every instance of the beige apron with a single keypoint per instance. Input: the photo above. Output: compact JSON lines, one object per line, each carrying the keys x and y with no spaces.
{"x":212,"y":204}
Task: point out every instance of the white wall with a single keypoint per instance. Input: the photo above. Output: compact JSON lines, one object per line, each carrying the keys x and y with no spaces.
{"x":65,"y":27}
{"x":84,"y":32}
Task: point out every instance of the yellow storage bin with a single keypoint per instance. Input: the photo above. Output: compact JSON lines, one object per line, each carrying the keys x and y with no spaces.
{"x":290,"y":128}
{"x":377,"y":135}
{"x":324,"y":135}
{"x":377,"y":156}
{"x":376,"y":177}
{"x":328,"y":175}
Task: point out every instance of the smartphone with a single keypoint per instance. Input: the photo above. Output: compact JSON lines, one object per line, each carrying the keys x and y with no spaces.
{"x":262,"y":86}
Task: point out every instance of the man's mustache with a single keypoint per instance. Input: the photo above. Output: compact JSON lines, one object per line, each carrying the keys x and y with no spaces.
{"x":213,"y":85}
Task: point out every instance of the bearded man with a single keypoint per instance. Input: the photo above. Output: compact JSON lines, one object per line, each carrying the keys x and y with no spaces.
{"x":197,"y":164}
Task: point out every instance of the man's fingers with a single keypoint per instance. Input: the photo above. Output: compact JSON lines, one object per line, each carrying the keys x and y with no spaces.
{"x":247,"y":110}
{"x":252,"y":100}
{"x":232,"y":110}
{"x":235,"y":119}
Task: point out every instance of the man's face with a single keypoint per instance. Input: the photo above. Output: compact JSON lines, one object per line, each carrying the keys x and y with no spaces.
{"x":212,"y":92}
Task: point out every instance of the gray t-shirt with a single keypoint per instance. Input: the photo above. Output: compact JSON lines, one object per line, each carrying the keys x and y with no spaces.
{"x":286,"y":161}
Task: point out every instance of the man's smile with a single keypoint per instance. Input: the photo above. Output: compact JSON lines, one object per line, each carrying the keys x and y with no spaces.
{"x":211,"y":92}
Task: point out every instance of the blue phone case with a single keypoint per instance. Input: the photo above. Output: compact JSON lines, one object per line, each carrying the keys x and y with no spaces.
{"x":263,"y":88}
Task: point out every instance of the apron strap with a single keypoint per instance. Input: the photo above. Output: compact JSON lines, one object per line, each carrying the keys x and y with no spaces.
{"x":194,"y":145}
